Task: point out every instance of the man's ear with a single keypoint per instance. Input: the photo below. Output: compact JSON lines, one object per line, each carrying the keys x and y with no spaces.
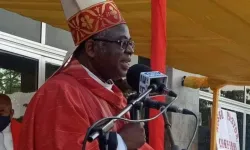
{"x":89,"y":48}
{"x":12,"y":113}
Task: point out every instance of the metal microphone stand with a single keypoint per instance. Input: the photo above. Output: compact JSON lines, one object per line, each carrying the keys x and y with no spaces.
{"x":135,"y":111}
{"x":169,"y":132}
{"x":102,"y":132}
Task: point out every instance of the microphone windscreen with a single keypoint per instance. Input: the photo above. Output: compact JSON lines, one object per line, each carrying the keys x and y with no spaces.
{"x":133,"y":75}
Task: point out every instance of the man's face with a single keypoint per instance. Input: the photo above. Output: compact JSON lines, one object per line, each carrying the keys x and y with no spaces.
{"x":5,"y":108}
{"x":113,"y":57}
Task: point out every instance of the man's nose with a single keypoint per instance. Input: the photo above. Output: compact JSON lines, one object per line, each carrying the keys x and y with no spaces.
{"x":130,"y":50}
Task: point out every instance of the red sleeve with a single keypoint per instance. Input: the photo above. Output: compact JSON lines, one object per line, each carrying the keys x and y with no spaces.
{"x":55,"y":120}
{"x":146,"y":147}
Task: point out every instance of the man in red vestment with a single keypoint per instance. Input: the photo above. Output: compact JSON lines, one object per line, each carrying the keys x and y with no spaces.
{"x":9,"y":127}
{"x":81,"y":92}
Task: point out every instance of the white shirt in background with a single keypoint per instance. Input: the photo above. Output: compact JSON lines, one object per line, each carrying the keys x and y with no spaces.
{"x":6,"y":142}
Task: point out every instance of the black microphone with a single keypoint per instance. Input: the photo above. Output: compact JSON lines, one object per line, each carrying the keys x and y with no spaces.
{"x":157,"y":105}
{"x":134,"y":77}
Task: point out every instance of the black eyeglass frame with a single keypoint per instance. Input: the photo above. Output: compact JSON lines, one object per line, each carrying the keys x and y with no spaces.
{"x":127,"y":42}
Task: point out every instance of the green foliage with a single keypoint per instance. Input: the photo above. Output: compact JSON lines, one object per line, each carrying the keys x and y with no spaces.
{"x":10,"y":81}
{"x":237,"y":95}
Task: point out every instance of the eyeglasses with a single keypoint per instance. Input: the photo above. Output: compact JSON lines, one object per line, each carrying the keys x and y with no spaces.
{"x":124,"y":44}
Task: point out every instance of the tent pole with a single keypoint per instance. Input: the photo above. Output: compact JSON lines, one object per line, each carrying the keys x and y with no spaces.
{"x":215,"y":107}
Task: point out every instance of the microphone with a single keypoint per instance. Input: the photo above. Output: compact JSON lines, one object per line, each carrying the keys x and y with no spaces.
{"x":157,"y":105}
{"x":142,"y":78}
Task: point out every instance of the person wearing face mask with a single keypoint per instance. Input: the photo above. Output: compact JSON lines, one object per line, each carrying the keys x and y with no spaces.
{"x":9,"y":127}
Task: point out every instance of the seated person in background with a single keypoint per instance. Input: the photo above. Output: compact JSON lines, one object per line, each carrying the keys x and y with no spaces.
{"x":9,"y":128}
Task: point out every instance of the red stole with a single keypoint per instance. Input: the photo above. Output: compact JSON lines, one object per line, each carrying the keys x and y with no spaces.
{"x":15,"y":131}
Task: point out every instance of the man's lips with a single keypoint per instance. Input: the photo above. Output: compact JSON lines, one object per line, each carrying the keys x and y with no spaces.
{"x":126,"y":63}
{"x":126,"y":60}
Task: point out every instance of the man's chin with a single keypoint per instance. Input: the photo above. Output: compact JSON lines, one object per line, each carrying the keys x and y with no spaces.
{"x":120,"y":75}
{"x":124,"y":73}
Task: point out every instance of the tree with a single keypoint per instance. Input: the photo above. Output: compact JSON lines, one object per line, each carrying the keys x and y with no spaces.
{"x":205,"y":109}
{"x":10,"y":81}
{"x":237,"y":95}
{"x":247,"y":95}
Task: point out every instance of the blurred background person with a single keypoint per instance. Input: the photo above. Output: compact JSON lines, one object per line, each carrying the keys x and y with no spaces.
{"x":9,"y":127}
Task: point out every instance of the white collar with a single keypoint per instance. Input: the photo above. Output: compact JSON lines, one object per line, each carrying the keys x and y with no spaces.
{"x":6,"y":141}
{"x":106,"y":85}
{"x":7,"y":129}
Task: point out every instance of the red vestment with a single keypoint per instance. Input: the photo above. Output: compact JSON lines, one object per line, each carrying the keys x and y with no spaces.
{"x":61,"y":111}
{"x":15,"y":131}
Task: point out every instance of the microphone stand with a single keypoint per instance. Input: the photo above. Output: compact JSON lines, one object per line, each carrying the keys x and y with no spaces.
{"x":135,"y":111}
{"x":169,"y":132}
{"x":167,"y":125}
{"x":101,"y":132}
{"x":160,"y":106}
